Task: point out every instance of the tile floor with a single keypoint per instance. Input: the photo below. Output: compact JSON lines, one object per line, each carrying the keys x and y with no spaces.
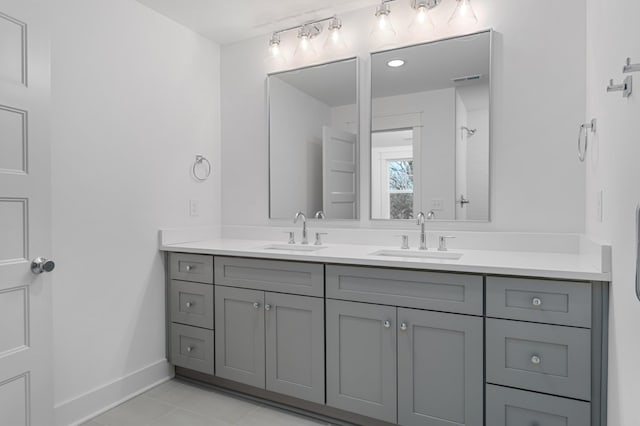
{"x":180,"y":403}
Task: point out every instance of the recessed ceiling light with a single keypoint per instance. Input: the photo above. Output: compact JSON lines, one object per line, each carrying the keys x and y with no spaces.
{"x":395,"y":63}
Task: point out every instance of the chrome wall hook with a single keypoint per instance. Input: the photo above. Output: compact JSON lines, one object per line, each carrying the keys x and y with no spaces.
{"x":585,"y":128}
{"x":629,"y":67}
{"x":625,"y":87}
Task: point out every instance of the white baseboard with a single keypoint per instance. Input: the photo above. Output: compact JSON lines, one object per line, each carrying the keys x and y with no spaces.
{"x":90,"y":404}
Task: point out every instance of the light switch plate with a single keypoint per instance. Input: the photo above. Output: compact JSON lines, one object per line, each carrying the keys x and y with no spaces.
{"x":194,"y":208}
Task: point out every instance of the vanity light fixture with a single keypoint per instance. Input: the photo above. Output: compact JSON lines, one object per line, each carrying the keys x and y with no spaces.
{"x":395,"y":63}
{"x":383,"y":32}
{"x":335,"y":42}
{"x":464,"y":14}
{"x":422,"y":21}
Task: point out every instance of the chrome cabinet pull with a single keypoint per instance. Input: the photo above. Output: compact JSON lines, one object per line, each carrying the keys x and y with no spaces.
{"x":189,"y":304}
{"x":403,"y":326}
{"x":267,"y":307}
{"x":256,"y":305}
{"x":190,"y":348}
{"x":535,"y":360}
{"x":387,"y":324}
{"x":536,"y":301}
{"x":188,"y":268}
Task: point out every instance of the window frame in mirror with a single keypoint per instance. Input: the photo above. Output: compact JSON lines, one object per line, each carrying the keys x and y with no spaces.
{"x":490,"y":32}
{"x":358,"y":208}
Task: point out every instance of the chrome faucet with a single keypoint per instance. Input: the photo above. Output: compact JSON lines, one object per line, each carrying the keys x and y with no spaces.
{"x":304,"y":226}
{"x":320,"y":215}
{"x":423,"y":235}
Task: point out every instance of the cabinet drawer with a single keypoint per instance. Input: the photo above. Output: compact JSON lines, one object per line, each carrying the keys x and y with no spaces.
{"x":191,"y":267}
{"x":540,"y":357}
{"x":458,"y":293}
{"x":306,"y":279}
{"x":192,"y":347}
{"x":512,"y":407}
{"x":546,"y":301}
{"x":191,"y":303}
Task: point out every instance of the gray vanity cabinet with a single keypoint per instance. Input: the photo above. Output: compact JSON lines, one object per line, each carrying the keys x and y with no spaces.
{"x":268,"y":339}
{"x":434,"y":358}
{"x":295,"y":346}
{"x":440,"y":369}
{"x":239,"y":335}
{"x":361,"y":358}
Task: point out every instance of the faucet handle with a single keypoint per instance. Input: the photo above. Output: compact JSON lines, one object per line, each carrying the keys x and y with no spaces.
{"x":405,"y":241}
{"x":319,"y":238}
{"x":442,"y":242}
{"x":292,"y":236}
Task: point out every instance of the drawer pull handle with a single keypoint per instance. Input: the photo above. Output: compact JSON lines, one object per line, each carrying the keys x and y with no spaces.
{"x":267,"y":307}
{"x":387,"y":324}
{"x":536,"y":301}
{"x":403,"y":326}
{"x":189,"y":304}
{"x":190,"y":348}
{"x":535,"y":360}
{"x":188,"y":268}
{"x":256,"y":305}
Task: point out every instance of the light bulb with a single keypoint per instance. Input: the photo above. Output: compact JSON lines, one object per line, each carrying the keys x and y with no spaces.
{"x":383,"y":32}
{"x":335,"y":43}
{"x":422,"y":22}
{"x":464,"y":14}
{"x":305,"y":49}
{"x":274,"y":56}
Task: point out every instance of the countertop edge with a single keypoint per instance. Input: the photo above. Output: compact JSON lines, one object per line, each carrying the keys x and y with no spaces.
{"x":444,"y":266}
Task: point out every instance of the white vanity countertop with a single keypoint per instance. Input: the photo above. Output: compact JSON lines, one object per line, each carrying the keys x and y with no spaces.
{"x":546,"y":265}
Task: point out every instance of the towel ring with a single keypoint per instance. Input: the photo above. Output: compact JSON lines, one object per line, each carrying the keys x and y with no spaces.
{"x":585,"y":128}
{"x":200,"y":159}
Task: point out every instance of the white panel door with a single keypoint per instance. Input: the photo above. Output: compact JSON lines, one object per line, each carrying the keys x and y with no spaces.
{"x":339,"y":174}
{"x":25,"y":297}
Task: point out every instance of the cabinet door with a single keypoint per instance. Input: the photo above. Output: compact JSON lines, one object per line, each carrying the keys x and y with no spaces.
{"x":361,"y":359}
{"x":440,"y":369}
{"x":239,"y":335}
{"x":295,"y":345}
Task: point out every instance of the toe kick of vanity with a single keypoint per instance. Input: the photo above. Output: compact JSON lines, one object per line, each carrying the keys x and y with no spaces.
{"x":374,"y":345}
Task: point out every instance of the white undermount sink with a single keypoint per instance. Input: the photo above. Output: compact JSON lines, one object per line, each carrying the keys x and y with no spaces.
{"x":293,"y":247}
{"x":418,"y":254}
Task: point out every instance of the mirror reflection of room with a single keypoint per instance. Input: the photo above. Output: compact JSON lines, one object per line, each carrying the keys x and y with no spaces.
{"x":430,"y":130}
{"x":313,"y":141}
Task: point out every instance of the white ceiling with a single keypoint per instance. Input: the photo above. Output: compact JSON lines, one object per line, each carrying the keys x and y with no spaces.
{"x":431,"y":66}
{"x":233,"y":20}
{"x":334,"y":84}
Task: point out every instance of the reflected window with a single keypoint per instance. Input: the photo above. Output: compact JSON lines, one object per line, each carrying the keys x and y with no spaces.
{"x":400,"y":174}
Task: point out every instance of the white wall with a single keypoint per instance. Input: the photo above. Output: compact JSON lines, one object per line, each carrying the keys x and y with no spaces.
{"x":460,"y":156}
{"x":538,"y":99}
{"x":612,"y":167}
{"x":477,"y":159}
{"x":135,"y":98}
{"x":296,"y":148}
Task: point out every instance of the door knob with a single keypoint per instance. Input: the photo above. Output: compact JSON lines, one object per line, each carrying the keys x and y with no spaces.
{"x":40,"y":265}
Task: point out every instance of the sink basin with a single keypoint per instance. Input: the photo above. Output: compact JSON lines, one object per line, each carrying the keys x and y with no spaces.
{"x":418,"y":254}
{"x":293,"y":247}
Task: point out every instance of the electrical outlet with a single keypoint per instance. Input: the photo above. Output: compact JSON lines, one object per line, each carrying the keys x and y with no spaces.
{"x":437,"y":204}
{"x":194,"y":208}
{"x":599,"y":206}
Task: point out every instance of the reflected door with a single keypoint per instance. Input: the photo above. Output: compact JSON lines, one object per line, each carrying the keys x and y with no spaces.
{"x":25,"y":298}
{"x":339,"y":174}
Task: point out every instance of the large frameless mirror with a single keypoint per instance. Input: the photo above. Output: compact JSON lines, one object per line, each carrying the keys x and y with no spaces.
{"x":313,"y":141}
{"x":430,"y":129}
